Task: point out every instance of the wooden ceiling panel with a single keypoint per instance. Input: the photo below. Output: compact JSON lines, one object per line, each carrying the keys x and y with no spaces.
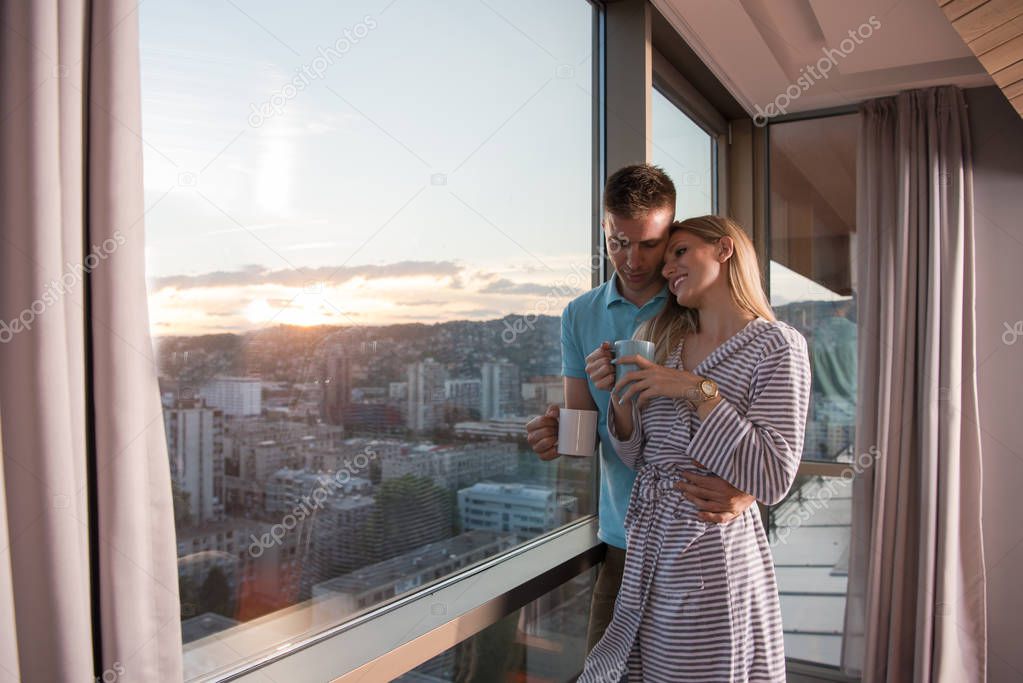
{"x":993,"y":30}
{"x":1009,"y":75}
{"x":1013,"y":90}
{"x":957,"y":8}
{"x":998,"y":36}
{"x":1002,"y":56}
{"x":982,"y":17}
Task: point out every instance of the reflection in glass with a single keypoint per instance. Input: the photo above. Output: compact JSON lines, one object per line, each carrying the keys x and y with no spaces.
{"x":812,"y":250}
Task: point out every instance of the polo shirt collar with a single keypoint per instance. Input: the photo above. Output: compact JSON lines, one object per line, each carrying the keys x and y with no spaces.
{"x":613,"y":296}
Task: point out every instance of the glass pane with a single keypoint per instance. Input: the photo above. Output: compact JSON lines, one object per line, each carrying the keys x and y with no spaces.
{"x":810,"y":543}
{"x":812,"y":251}
{"x":686,"y":153}
{"x":543,"y":641}
{"x":361,"y":229}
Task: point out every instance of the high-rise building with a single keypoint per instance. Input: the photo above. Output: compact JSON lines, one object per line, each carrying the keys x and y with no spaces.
{"x":337,"y":385}
{"x":234,"y":396}
{"x":517,"y":508}
{"x":501,"y":390}
{"x":195,"y":445}
{"x":425,"y":395}
{"x":463,"y":395}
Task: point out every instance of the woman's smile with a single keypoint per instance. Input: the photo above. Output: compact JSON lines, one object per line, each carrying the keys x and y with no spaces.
{"x":676,"y":282}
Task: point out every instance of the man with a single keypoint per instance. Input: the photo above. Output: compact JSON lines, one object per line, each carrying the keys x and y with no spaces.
{"x":639,"y":206}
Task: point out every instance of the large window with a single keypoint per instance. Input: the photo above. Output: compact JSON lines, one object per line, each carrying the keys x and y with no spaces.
{"x":812,"y":249}
{"x":364,"y":219}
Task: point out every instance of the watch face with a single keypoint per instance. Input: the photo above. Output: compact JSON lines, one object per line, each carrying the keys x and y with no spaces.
{"x":709,"y":388}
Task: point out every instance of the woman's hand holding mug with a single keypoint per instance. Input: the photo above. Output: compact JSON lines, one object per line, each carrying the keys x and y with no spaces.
{"x":652,"y":380}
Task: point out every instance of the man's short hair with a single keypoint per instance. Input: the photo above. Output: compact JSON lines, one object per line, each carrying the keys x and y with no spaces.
{"x":636,"y":190}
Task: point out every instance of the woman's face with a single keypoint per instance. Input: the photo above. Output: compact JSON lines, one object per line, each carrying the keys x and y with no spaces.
{"x":692,"y":266}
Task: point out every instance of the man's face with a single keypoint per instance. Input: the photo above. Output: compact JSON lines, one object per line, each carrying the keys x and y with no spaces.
{"x":636,"y":248}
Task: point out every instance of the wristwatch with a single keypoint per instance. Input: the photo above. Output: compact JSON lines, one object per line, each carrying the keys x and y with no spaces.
{"x":706,"y":390}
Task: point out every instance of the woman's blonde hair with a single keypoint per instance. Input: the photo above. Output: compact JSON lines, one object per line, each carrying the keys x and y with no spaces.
{"x":667,"y":328}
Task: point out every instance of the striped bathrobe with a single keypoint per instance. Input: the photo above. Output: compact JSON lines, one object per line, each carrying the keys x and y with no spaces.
{"x":698,"y":601}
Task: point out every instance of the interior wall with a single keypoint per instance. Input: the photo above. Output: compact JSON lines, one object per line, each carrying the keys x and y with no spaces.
{"x":997,"y":136}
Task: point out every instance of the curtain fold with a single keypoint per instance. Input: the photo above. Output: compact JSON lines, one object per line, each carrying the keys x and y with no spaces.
{"x":71,"y":201}
{"x":916,"y":600}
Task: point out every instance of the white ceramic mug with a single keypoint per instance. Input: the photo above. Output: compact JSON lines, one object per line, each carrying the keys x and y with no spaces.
{"x":577,"y":431}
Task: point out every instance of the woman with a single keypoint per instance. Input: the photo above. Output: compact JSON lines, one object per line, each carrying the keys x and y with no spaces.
{"x":698,"y":601}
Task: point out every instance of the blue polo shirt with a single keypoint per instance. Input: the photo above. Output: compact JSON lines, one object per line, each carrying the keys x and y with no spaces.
{"x":600,"y":315}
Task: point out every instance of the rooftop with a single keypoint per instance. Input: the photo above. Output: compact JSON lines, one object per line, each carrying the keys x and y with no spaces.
{"x":401,"y":568}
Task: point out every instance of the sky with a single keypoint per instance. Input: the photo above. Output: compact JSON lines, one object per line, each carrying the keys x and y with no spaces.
{"x":373,"y":162}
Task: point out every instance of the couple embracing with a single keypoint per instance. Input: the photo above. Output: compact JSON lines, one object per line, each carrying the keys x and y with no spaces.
{"x":690,"y":441}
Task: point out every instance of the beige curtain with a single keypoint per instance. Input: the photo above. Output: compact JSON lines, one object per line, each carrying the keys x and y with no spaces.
{"x":916,"y":608}
{"x":84,"y":595}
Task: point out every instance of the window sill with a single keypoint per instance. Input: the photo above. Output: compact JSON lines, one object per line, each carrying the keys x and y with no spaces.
{"x":394,"y":638}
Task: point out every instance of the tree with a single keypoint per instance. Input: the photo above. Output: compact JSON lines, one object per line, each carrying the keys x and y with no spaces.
{"x":409,"y":512}
{"x":215,"y":594}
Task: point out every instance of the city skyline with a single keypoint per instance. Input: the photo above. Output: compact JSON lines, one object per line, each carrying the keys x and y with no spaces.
{"x":364,"y":463}
{"x":312,"y":305}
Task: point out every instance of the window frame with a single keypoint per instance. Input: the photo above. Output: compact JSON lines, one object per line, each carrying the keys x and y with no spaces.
{"x":806,"y":467}
{"x":686,"y":98}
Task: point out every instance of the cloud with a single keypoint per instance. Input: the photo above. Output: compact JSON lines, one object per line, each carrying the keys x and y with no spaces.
{"x":506,"y":286}
{"x":422,"y":302}
{"x":302,"y":277}
{"x":482,"y":313}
